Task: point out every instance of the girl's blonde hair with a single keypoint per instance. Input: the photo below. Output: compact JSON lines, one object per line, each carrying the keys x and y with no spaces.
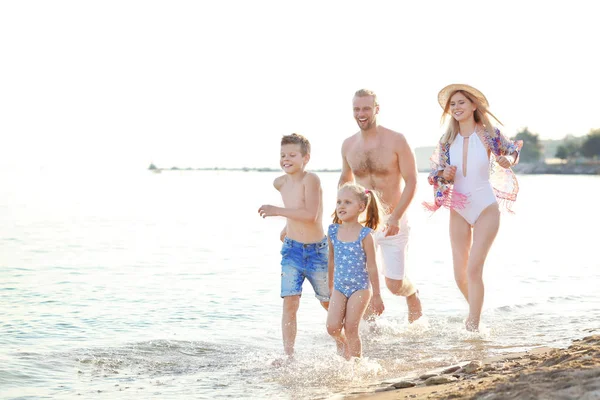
{"x":480,"y":115}
{"x":371,"y":200}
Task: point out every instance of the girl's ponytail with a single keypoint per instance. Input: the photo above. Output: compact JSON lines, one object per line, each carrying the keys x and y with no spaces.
{"x":374,"y":210}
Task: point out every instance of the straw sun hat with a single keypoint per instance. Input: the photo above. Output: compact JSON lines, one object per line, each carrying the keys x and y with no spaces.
{"x":445,"y":93}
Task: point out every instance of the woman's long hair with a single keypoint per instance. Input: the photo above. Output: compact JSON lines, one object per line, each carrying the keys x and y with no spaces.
{"x":480,"y":115}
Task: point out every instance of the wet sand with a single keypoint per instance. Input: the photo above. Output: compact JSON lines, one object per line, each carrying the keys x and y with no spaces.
{"x":542,"y":373}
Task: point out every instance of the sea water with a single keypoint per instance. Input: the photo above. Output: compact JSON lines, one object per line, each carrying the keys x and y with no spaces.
{"x":166,"y":285}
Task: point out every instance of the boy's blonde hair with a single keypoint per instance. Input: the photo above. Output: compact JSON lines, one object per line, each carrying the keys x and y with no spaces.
{"x":372,"y":202}
{"x":296,"y":138}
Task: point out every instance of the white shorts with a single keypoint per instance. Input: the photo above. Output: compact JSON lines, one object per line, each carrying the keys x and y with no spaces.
{"x":392,"y":251}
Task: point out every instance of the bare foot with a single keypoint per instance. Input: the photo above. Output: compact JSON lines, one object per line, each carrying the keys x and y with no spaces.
{"x":471,"y":325}
{"x":369,"y":314}
{"x":281,"y":362}
{"x":415,"y":311}
{"x":341,"y":348}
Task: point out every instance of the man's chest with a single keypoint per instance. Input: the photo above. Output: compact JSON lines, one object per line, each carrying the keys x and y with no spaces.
{"x":373,"y":161}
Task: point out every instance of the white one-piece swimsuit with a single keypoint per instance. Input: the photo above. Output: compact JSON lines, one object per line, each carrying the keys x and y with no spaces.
{"x":476,"y":184}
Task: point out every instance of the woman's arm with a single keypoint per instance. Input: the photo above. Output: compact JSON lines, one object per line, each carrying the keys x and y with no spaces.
{"x":511,"y":150}
{"x":439,"y":165}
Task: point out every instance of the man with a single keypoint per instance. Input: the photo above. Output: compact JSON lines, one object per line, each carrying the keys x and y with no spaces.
{"x":381,"y":159}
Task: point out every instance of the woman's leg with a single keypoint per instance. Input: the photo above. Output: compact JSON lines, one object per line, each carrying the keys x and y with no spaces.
{"x":484,"y":233}
{"x":357,"y":304}
{"x":460,"y":240}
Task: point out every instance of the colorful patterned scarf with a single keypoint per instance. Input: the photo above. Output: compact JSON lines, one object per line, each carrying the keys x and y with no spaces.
{"x":503,"y":180}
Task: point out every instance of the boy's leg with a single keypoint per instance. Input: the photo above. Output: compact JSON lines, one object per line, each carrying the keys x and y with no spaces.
{"x":291,"y":290}
{"x":335,"y":321}
{"x":316,"y":272}
{"x":288,"y":323}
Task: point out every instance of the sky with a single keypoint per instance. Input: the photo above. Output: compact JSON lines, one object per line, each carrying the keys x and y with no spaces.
{"x":123,"y":84}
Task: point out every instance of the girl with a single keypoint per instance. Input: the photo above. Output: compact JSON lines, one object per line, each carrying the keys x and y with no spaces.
{"x":353,"y":266}
{"x":460,"y":175}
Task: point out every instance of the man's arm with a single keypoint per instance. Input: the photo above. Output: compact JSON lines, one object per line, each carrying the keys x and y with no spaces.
{"x":408,"y":170}
{"x":346,"y":175}
{"x":312,"y":201}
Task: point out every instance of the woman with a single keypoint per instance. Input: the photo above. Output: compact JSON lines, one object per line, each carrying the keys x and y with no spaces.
{"x":471,"y":176}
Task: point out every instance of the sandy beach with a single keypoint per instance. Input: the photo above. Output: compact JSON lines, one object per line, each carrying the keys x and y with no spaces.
{"x":542,"y":373}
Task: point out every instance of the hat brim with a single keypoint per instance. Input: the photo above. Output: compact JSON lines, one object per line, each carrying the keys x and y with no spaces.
{"x":446,"y":92}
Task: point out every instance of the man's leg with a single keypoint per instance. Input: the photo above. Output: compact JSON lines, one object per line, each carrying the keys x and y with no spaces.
{"x":393,"y":255}
{"x":406,"y":289}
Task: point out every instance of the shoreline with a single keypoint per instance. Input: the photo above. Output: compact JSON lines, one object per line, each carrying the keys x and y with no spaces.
{"x":524,"y":169}
{"x":540,"y":373}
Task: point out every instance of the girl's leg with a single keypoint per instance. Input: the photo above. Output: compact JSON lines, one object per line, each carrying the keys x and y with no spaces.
{"x":484,"y":233}
{"x":288,"y":322}
{"x":460,"y":240}
{"x":357,"y":304}
{"x":335,"y":320}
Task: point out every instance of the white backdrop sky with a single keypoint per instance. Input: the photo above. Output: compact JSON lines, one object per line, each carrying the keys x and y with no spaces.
{"x":216,"y":83}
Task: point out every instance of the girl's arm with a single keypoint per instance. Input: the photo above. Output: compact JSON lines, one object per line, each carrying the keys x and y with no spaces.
{"x":376,"y":301}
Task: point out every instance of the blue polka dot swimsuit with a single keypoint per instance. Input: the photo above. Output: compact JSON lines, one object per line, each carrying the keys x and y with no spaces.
{"x":350,"y":273}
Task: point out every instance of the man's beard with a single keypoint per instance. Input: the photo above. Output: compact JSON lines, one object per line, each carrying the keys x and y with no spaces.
{"x":370,"y":123}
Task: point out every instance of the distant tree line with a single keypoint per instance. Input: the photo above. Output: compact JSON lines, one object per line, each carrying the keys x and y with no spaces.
{"x":572,"y":147}
{"x":588,"y":146}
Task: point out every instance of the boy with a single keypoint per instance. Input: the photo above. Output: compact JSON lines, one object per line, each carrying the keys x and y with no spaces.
{"x":305,"y":249}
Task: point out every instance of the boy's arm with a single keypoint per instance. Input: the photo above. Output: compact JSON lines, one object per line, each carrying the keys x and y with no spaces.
{"x":277,"y":183}
{"x":267,"y":210}
{"x":376,"y":301}
{"x":312,"y":203}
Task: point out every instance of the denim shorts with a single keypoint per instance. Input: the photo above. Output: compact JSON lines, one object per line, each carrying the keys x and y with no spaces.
{"x":300,"y":261}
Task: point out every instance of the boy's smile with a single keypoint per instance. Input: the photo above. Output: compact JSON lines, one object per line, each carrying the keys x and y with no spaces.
{"x":292,"y":159}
